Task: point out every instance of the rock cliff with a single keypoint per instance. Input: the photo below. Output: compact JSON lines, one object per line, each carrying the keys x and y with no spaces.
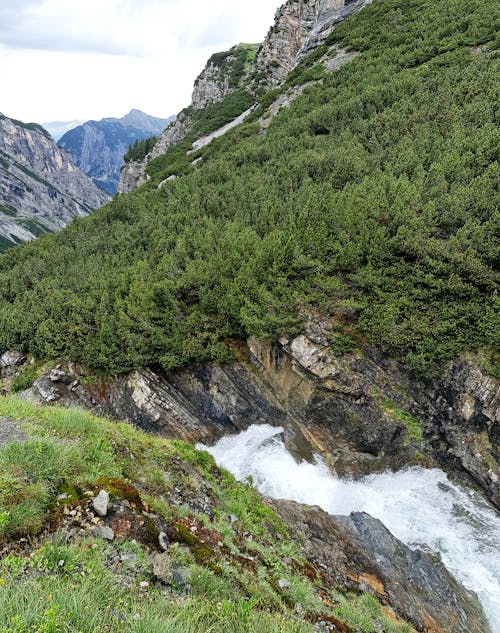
{"x":98,"y":147}
{"x":41,"y":189}
{"x":361,"y":410}
{"x":223,"y":74}
{"x":300,"y":26}
{"x":359,"y":552}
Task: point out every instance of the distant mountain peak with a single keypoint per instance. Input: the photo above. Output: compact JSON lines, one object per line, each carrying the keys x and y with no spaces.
{"x":41,"y":189}
{"x":98,"y":147}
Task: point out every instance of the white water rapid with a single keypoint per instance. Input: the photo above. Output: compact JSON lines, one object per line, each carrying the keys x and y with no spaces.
{"x":422,"y":508}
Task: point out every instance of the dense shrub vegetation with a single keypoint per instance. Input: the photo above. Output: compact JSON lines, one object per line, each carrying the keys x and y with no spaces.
{"x":376,"y":190}
{"x":234,"y":62}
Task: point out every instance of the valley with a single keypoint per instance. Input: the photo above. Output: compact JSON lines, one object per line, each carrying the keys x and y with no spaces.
{"x":259,"y":389}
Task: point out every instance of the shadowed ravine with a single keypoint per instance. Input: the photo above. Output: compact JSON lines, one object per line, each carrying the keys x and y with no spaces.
{"x":422,"y":508}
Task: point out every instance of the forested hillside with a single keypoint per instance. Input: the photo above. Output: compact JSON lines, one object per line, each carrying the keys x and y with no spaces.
{"x":373,"y":198}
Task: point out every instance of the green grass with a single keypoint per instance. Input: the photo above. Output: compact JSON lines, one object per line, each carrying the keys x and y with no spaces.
{"x":24,"y":379}
{"x":67,"y":585}
{"x":413,"y":427}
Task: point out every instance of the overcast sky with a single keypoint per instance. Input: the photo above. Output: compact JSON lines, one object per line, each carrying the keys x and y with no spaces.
{"x":87,"y":59}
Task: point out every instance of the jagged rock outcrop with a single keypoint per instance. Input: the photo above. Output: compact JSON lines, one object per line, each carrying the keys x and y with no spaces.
{"x":361,"y":410}
{"x":98,"y":147}
{"x":41,"y":189}
{"x":300,"y":26}
{"x":217,"y":80}
{"x":222,"y":75}
{"x":174,"y":134}
{"x":132,"y":175}
{"x":359,"y":552}
{"x":464,"y":406}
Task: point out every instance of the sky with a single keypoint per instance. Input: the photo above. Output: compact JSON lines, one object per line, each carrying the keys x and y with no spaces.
{"x":87,"y":59}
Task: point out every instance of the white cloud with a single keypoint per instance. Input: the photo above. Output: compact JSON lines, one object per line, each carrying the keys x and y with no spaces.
{"x":88,"y":59}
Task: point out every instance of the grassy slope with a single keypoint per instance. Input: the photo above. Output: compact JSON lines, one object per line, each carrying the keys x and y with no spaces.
{"x":90,"y":591}
{"x":376,"y":191}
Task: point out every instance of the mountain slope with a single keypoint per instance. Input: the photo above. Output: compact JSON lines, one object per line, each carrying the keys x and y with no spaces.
{"x":221,"y":93}
{"x":41,"y":190}
{"x":372,"y":198}
{"x":231,"y":80}
{"x":58,"y":128}
{"x":98,"y":147}
{"x":118,"y":530}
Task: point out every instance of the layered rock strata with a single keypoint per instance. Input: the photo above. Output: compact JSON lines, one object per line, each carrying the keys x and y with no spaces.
{"x":360,"y":553}
{"x":41,"y":189}
{"x":361,"y":411}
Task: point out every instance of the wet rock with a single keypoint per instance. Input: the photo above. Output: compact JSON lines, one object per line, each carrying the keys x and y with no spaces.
{"x":358,"y":552}
{"x":101,"y":503}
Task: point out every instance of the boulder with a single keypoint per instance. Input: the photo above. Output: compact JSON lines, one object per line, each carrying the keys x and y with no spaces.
{"x":359,"y":552}
{"x":101,"y":503}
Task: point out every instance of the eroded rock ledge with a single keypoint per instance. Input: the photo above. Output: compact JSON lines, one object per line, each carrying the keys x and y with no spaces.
{"x":361,"y":411}
{"x":359,"y":552}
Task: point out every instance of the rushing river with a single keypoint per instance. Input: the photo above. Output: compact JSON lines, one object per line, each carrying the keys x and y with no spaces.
{"x":422,"y":507}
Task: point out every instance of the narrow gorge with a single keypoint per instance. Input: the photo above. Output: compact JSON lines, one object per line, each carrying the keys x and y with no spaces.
{"x":299,"y":279}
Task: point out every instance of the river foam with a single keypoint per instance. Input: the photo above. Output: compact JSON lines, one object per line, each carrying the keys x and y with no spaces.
{"x":422,"y":507}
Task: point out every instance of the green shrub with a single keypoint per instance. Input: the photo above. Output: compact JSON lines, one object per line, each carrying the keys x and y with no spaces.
{"x":24,"y":379}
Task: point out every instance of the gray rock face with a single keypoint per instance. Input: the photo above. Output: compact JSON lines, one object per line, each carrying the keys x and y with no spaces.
{"x":359,"y":552}
{"x":132,"y":175}
{"x":211,"y":86}
{"x":41,"y":189}
{"x":465,"y":408}
{"x":300,"y":26}
{"x":101,"y":503}
{"x":98,"y":147}
{"x":11,"y":359}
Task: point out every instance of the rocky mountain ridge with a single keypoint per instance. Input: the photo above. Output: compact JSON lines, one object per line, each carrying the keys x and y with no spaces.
{"x":300,"y":27}
{"x":59,"y":128}
{"x":98,"y":147}
{"x":41,"y":189}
